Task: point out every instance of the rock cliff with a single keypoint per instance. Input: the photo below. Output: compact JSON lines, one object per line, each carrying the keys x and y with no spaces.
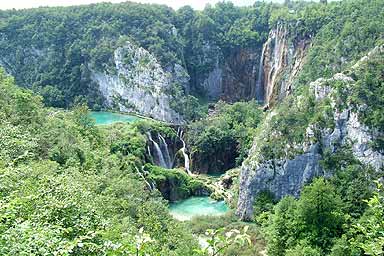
{"x":286,"y":175}
{"x":138,"y":83}
{"x":233,"y":75}
{"x":282,"y":58}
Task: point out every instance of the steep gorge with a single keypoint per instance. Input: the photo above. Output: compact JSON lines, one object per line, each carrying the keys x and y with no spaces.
{"x":286,"y":175}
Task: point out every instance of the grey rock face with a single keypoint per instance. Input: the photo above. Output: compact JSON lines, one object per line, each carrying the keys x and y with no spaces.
{"x":348,"y":128}
{"x":284,"y":177}
{"x":287,"y":176}
{"x":140,"y":84}
{"x":214,"y":82}
{"x":232,"y":77}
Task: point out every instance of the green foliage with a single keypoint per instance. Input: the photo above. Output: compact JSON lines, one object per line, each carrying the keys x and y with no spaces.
{"x":56,"y":50}
{"x":303,"y":250}
{"x":367,"y":92}
{"x":352,"y":180}
{"x":218,"y":240}
{"x":225,"y":136}
{"x":365,"y":235}
{"x":60,"y":47}
{"x":280,"y":133}
{"x":319,"y":214}
{"x":69,"y":187}
{"x":51,"y":95}
{"x":174,"y":184}
{"x":369,"y":230}
{"x":340,"y":29}
{"x":309,"y":224}
{"x":264,"y":202}
{"x":155,"y":127}
{"x":219,"y":30}
{"x":280,"y":228}
{"x":199,"y":225}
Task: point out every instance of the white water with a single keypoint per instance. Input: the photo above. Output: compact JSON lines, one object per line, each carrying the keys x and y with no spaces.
{"x":184,"y":150}
{"x":259,"y":82}
{"x":164,"y":148}
{"x":158,"y":152}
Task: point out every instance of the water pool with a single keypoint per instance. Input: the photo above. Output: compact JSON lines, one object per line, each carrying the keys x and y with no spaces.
{"x":197,"y":206}
{"x":104,"y":118}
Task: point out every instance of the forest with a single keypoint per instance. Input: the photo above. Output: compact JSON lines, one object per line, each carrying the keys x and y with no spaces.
{"x":70,"y":186}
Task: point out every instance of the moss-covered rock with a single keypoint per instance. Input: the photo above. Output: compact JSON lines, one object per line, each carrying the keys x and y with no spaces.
{"x":175,"y":184}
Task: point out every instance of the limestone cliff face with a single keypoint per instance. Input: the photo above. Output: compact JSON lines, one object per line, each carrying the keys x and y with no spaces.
{"x":140,"y":84}
{"x":281,"y":60}
{"x":233,"y":77}
{"x":287,"y":176}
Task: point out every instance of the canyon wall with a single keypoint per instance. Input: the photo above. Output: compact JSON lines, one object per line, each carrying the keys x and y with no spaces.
{"x":140,"y":84}
{"x":232,"y":76}
{"x":286,"y":176}
{"x":282,"y":58}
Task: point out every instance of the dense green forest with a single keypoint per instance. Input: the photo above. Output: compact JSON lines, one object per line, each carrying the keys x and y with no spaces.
{"x":71,"y":187}
{"x":68,"y":187}
{"x":54,"y":50}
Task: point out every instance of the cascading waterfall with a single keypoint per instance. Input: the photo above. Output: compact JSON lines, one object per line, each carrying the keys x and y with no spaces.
{"x":184,"y":150}
{"x":161,"y":154}
{"x":158,"y":152}
{"x":164,"y":149}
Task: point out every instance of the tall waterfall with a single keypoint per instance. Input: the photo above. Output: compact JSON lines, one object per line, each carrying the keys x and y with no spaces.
{"x":184,"y":150}
{"x":164,"y":149}
{"x":158,"y":153}
{"x":259,"y":82}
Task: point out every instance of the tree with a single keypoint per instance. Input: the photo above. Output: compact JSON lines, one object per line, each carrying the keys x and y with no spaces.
{"x":319,"y":214}
{"x":280,"y":228}
{"x":52,"y":96}
{"x":368,"y":233}
{"x":310,"y":223}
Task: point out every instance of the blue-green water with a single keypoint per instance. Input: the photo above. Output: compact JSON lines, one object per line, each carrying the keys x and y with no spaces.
{"x":103,"y":118}
{"x":197,"y":206}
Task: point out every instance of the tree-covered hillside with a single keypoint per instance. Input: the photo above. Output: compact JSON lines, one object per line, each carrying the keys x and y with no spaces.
{"x":54,"y":50}
{"x":69,"y":188}
{"x":283,"y":101}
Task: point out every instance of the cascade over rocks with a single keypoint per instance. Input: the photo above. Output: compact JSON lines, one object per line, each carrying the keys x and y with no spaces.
{"x":281,"y":61}
{"x":168,"y":152}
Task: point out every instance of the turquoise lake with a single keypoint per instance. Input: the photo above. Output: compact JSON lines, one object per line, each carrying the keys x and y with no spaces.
{"x":103,"y":118}
{"x":197,"y":206}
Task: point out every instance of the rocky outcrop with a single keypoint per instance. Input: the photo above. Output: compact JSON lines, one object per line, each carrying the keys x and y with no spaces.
{"x":281,"y":177}
{"x":139,"y":84}
{"x":281,"y":60}
{"x":348,"y":129}
{"x":287,"y":176}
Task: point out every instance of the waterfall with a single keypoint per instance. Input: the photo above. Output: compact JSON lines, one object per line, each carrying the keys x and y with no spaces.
{"x":158,"y":152}
{"x":164,"y":148}
{"x":184,"y":150}
{"x":150,"y":186}
{"x":149,"y":151}
{"x":259,"y":82}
